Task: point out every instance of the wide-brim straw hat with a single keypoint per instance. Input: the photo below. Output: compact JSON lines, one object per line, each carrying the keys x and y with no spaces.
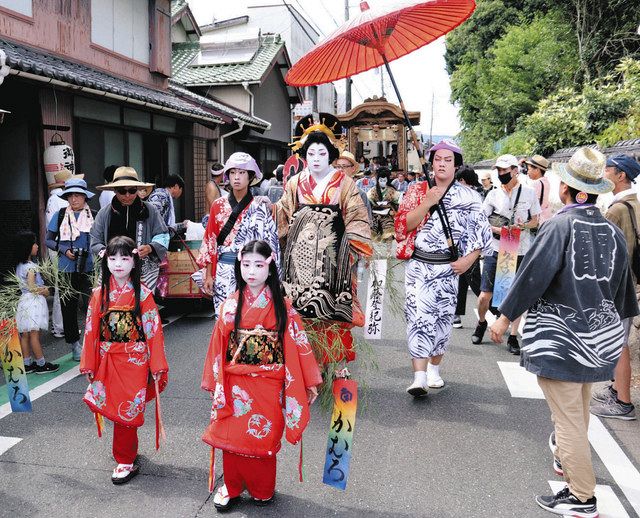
{"x":241,"y":160}
{"x":124,"y":177}
{"x":62,"y":176}
{"x":347,"y":155}
{"x":585,"y":172}
{"x":77,"y":185}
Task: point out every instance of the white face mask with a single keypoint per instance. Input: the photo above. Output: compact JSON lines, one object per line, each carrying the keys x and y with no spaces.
{"x":382,"y":182}
{"x":318,"y":159}
{"x":254,"y":270}
{"x":120,"y":267}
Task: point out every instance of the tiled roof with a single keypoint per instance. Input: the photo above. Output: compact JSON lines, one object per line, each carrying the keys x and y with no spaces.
{"x":177,"y":6}
{"x":183,"y":54}
{"x":227,"y":73}
{"x":26,"y":59}
{"x":236,"y":115}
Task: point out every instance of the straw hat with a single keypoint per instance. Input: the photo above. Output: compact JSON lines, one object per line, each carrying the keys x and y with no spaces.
{"x":538,"y":161}
{"x":124,"y":177}
{"x":62,"y":176}
{"x":77,"y":185}
{"x":346,"y":155}
{"x":241,"y":160}
{"x":584,"y":171}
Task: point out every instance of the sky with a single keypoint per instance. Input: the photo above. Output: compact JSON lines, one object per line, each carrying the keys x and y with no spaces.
{"x":419,"y":75}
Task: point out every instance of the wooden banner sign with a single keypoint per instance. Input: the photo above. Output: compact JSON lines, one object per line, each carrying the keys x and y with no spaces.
{"x":507,"y":263}
{"x":13,"y":367}
{"x":375,"y":299}
{"x":340,"y":443}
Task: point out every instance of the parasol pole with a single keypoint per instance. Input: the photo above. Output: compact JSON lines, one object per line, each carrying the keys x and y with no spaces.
{"x":425,"y":169}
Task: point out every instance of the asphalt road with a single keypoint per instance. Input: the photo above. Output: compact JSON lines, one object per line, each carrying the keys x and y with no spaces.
{"x":470,"y":449}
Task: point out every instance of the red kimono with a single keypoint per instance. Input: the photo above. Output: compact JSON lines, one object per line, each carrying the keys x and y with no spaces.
{"x":258,"y":384}
{"x":122,"y":352}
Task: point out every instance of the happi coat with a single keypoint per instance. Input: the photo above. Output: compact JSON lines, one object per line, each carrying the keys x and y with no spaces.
{"x":123,"y":352}
{"x":432,"y":289}
{"x":254,"y":222}
{"x":326,"y":233}
{"x":253,"y":403}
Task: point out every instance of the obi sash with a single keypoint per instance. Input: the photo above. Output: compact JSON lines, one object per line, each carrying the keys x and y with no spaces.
{"x":317,"y":275}
{"x":121,"y":326}
{"x":254,"y":347}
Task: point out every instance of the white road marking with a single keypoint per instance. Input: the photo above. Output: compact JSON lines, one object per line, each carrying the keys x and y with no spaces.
{"x":621,"y":468}
{"x":609,"y":505}
{"x":523,"y":384}
{"x":45,"y":388}
{"x":520,"y":382}
{"x":8,"y":442}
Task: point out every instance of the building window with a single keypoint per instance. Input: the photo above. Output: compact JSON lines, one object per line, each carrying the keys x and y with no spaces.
{"x":19,"y":6}
{"x":121,"y":26}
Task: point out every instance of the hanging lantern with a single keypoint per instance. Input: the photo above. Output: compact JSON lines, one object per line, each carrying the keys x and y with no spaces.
{"x":57,"y":156}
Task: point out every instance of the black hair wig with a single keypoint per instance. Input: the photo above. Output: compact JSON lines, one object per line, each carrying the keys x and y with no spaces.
{"x":468,"y":174}
{"x":382,"y":172}
{"x":23,"y":245}
{"x":273,"y":282}
{"x":122,"y":245}
{"x":317,"y":137}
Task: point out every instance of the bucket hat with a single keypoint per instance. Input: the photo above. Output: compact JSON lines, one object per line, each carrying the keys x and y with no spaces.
{"x":585,"y":171}
{"x":241,"y":160}
{"x":538,"y":161}
{"x":75,"y":185}
{"x":62,"y":176}
{"x":124,"y":177}
{"x":346,"y":155}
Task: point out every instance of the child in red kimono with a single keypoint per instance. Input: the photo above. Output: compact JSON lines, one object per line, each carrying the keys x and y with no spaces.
{"x":262,"y":374}
{"x":123,"y":353}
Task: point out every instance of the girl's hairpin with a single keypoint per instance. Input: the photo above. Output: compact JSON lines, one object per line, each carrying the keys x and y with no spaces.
{"x":134,"y":251}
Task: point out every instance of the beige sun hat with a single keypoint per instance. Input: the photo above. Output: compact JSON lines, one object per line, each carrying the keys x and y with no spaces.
{"x":346,"y":155}
{"x":62,"y":176}
{"x":124,"y":177}
{"x":585,"y":171}
{"x":538,"y":161}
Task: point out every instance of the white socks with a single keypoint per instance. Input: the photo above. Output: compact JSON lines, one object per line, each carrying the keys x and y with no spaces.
{"x":433,"y":370}
{"x":420,"y":377}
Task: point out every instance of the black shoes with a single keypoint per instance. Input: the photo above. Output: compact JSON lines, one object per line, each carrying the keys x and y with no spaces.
{"x":514,"y":346}
{"x":46,"y":368}
{"x":563,"y":502}
{"x":478,"y":334}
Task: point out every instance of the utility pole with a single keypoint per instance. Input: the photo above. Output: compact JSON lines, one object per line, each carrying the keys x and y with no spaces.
{"x":347,"y":100}
{"x":382,"y":81}
{"x":433,"y":99}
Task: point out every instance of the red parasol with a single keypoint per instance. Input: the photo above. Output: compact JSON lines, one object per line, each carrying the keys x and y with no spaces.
{"x":376,"y":37}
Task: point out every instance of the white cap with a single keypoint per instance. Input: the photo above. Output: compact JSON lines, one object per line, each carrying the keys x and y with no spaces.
{"x":506,"y":161}
{"x":484,"y":174}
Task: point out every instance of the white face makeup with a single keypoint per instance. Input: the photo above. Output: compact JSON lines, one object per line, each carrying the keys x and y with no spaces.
{"x":255,"y":270}
{"x":120,"y":267}
{"x":318,"y":159}
{"x":382,"y":182}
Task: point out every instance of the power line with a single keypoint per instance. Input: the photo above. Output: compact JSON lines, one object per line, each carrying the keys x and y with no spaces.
{"x":304,"y":29}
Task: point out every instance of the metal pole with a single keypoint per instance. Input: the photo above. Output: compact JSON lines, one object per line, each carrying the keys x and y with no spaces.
{"x":347,"y":100}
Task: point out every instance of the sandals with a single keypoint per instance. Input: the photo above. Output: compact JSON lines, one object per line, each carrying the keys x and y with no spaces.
{"x":262,"y":503}
{"x":123,"y":473}
{"x":222,"y":501}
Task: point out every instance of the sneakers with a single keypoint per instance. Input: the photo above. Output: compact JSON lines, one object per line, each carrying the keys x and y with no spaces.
{"x":123,"y":473}
{"x":457,"y":322}
{"x":478,"y":334}
{"x":605,"y":394}
{"x":57,"y":334}
{"x":614,"y":409}
{"x":222,"y":501}
{"x":30,"y":368}
{"x":513,"y":345}
{"x":46,"y":368}
{"x":76,"y":351}
{"x":557,"y":465}
{"x":417,"y":389}
{"x":563,"y":502}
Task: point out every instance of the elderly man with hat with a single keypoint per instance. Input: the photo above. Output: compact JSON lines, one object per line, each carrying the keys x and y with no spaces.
{"x":54,"y":204}
{"x":127,"y":215}
{"x":68,"y":236}
{"x":233,"y":222}
{"x":537,"y":166}
{"x":574,"y":332}
{"x":511,"y":204}
{"x":614,"y":400}
{"x":486,"y":182}
{"x":347,"y":163}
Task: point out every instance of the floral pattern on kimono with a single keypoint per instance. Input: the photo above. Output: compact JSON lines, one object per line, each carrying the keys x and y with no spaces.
{"x":122,"y":352}
{"x":252,"y":421}
{"x":254,"y":222}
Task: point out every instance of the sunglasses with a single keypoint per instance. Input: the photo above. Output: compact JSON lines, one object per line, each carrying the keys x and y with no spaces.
{"x":127,"y":190}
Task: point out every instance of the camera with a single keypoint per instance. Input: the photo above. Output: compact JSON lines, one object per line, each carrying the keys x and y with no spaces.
{"x":81,"y":259}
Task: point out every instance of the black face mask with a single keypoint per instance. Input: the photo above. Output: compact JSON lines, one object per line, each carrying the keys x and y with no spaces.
{"x":504,"y":178}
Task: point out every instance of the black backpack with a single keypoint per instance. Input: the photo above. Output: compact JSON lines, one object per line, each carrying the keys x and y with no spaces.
{"x":635,"y":260}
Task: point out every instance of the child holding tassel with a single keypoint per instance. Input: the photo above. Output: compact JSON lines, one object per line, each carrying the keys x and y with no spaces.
{"x":262,"y":374}
{"x":123,"y":354}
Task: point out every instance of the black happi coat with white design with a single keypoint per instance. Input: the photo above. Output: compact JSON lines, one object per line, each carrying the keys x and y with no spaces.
{"x":577,"y":285}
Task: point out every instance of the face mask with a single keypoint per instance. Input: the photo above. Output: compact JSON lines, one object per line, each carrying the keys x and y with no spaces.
{"x":504,"y":178}
{"x":382,"y":182}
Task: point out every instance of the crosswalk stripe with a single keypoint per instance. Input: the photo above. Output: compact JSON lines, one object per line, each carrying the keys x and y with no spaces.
{"x":609,"y":505}
{"x":520,"y":382}
{"x":8,"y":442}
